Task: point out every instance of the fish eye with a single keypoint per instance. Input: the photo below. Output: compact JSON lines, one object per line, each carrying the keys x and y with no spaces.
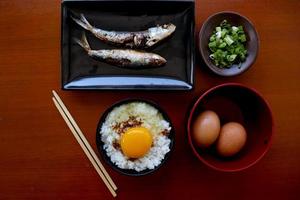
{"x":157,"y":60}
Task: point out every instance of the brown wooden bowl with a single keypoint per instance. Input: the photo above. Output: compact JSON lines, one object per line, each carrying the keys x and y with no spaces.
{"x":252,"y":44}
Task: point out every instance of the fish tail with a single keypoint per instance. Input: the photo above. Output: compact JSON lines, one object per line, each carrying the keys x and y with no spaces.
{"x":83,"y":22}
{"x":83,"y":42}
{"x":83,"y":19}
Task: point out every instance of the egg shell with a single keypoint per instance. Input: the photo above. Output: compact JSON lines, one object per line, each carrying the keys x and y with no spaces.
{"x":206,"y":128}
{"x":232,"y":138}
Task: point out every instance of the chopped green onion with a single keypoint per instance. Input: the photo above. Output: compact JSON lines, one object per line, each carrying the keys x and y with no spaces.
{"x":228,"y":40}
{"x":223,"y":33}
{"x":231,"y":58}
{"x":227,"y":45}
{"x":212,"y":38}
{"x":234,"y":29}
{"x":242,"y":38}
{"x":222,"y":45}
{"x":218,"y":34}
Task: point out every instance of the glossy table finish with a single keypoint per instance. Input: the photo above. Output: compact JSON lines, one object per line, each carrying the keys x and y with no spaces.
{"x":40,"y":159}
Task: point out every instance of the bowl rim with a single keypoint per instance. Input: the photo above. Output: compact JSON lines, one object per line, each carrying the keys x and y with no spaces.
{"x":200,"y":35}
{"x":103,"y":152}
{"x":254,"y":91}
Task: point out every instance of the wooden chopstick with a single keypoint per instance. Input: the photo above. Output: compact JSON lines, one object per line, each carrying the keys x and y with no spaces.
{"x":84,"y":148}
{"x":84,"y":144}
{"x":84,"y":140}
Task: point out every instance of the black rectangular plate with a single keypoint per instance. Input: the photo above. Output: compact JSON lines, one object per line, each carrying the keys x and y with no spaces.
{"x":79,"y":71}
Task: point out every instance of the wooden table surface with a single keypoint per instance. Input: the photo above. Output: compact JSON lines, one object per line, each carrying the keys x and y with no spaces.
{"x":40,"y":159}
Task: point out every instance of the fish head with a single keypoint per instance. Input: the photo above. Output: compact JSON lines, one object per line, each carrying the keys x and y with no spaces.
{"x":157,"y":60}
{"x":159,"y":33}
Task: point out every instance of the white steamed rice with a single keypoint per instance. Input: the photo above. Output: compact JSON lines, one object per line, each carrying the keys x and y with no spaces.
{"x":151,"y":119}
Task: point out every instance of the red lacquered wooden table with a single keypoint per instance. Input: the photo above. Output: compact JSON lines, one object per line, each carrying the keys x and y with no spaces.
{"x":40,"y":159}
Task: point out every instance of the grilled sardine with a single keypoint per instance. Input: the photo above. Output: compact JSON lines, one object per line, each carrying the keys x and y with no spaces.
{"x":139,"y":39}
{"x":123,"y":57}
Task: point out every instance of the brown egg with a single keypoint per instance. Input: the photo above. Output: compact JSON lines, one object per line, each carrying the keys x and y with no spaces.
{"x":206,"y":128}
{"x":232,"y":139}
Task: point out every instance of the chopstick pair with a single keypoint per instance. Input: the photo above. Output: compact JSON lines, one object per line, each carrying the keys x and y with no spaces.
{"x":84,"y":143}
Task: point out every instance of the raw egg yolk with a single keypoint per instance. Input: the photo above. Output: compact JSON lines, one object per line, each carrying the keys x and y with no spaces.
{"x":136,"y":142}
